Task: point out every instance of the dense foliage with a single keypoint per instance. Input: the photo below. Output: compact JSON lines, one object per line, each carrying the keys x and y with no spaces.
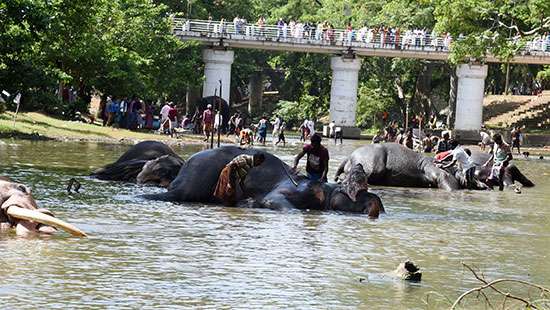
{"x":125,"y":47}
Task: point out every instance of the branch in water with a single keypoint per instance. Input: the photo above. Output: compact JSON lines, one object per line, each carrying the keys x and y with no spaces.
{"x":492,"y":284}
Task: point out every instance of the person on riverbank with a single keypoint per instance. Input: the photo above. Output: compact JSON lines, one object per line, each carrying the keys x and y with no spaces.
{"x":501,"y":155}
{"x":516,"y":138}
{"x":207,"y":121}
{"x":485,"y":140}
{"x":317,"y":159}
{"x":276,"y":126}
{"x":281,"y":134}
{"x":246,"y":137}
{"x":444,"y":144}
{"x":262,"y":129}
{"x":233,"y":175}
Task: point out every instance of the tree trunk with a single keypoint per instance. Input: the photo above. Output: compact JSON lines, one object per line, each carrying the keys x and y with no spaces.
{"x":422,"y":101}
{"x":255,"y":91}
{"x":191,"y":98}
{"x":453,"y":79}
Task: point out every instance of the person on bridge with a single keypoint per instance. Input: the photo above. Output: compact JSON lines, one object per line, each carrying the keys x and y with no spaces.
{"x":317,"y":159}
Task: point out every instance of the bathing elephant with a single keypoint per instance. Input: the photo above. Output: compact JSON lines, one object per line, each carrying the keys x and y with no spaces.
{"x":512,"y":173}
{"x":268,"y":185}
{"x":392,"y":164}
{"x":19,"y":210}
{"x":146,"y":162}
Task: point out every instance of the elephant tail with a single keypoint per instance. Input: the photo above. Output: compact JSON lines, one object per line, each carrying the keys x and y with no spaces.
{"x":341,"y":169}
{"x":520,"y":177}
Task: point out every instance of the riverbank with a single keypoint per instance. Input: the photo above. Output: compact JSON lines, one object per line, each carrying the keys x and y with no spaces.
{"x":38,"y":126}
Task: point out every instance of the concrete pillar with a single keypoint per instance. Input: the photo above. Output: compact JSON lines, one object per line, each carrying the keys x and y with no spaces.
{"x":256,"y":91}
{"x":343,"y":94}
{"x":469,"y":101}
{"x":217,"y":66}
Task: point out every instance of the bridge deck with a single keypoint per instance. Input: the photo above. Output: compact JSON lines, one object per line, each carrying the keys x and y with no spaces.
{"x":340,"y":42}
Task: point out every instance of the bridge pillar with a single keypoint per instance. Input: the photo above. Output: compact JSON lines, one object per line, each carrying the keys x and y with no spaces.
{"x":469,"y":101}
{"x":343,"y":94}
{"x":217,"y":66}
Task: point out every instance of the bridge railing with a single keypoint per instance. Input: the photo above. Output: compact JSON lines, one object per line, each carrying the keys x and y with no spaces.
{"x":363,"y":37}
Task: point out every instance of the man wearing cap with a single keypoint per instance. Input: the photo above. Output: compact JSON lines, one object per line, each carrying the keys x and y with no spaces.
{"x":207,"y":121}
{"x":317,"y":159}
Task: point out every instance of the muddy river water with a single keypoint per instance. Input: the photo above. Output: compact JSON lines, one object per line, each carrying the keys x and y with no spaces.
{"x":146,"y":254}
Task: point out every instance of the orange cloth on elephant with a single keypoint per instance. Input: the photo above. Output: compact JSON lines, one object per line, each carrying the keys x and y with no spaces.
{"x":224,"y":189}
{"x":235,"y":171}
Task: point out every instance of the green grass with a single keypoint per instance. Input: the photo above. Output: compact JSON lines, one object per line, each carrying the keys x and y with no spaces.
{"x":38,"y":125}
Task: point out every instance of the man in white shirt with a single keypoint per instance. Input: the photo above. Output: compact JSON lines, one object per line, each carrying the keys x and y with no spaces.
{"x":462,"y":157}
{"x":164,"y":115}
{"x":485,"y":140}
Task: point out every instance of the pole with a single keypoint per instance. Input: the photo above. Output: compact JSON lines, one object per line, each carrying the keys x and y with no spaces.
{"x":220,"y":113}
{"x":211,"y":132}
{"x":506,"y":84}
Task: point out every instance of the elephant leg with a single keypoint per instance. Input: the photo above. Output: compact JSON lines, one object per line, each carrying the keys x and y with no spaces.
{"x":513,"y":173}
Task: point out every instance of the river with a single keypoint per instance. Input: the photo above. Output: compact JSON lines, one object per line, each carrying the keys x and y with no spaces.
{"x":147,"y":254}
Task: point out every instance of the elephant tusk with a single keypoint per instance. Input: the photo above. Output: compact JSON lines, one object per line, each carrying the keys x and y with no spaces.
{"x":39,"y":217}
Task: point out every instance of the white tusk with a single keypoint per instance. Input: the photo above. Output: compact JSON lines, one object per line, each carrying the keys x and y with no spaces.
{"x":39,"y":217}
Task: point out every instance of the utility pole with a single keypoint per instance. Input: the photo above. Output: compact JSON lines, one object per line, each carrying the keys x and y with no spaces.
{"x":211,"y":130}
{"x":220,"y":113}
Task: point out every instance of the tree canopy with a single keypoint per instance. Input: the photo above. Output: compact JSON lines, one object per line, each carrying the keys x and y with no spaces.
{"x":125,"y":47}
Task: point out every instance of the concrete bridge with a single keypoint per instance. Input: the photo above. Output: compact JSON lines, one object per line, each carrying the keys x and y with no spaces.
{"x":348,"y":47}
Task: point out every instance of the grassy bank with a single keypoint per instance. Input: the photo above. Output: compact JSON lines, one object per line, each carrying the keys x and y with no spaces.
{"x":35,"y":125}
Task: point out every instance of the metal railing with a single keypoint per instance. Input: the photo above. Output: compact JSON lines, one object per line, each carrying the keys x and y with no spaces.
{"x":359,"y":38}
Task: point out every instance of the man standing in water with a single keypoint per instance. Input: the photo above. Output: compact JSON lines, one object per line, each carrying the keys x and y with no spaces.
{"x":317,"y":159}
{"x":234,"y":174}
{"x":501,"y":155}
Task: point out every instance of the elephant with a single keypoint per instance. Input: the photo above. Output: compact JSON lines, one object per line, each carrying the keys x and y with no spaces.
{"x":149,"y":162}
{"x":19,"y":210}
{"x":269,"y":185}
{"x":511,"y":173}
{"x":392,"y":164}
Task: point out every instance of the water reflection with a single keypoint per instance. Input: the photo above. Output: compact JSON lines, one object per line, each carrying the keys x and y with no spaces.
{"x":156,"y":254}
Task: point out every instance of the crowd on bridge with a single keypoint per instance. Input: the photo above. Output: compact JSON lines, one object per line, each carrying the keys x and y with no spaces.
{"x":380,"y":36}
{"x":324,"y":32}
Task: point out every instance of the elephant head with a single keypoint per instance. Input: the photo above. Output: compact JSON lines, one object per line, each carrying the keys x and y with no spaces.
{"x":19,"y":210}
{"x":364,"y":202}
{"x":355,"y":181}
{"x":161,"y":170}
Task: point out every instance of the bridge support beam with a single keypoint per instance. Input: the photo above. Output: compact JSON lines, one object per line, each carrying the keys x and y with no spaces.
{"x":343,"y":94}
{"x":469,"y":101}
{"x":217,"y":66}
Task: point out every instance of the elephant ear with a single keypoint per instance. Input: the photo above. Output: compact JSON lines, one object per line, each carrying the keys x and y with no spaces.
{"x":355,"y":181}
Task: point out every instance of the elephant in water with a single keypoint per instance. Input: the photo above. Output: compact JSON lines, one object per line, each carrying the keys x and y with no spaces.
{"x":511,"y":174}
{"x":18,"y":210}
{"x":146,"y":162}
{"x":392,"y":164}
{"x":268,"y":185}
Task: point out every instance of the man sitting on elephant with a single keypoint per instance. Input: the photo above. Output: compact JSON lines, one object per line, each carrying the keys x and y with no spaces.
{"x":462,"y":156}
{"x":317,"y":159}
{"x":234,"y":174}
{"x":501,"y":155}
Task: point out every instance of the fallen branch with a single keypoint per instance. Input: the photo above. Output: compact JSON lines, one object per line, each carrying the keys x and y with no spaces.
{"x":491,"y":284}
